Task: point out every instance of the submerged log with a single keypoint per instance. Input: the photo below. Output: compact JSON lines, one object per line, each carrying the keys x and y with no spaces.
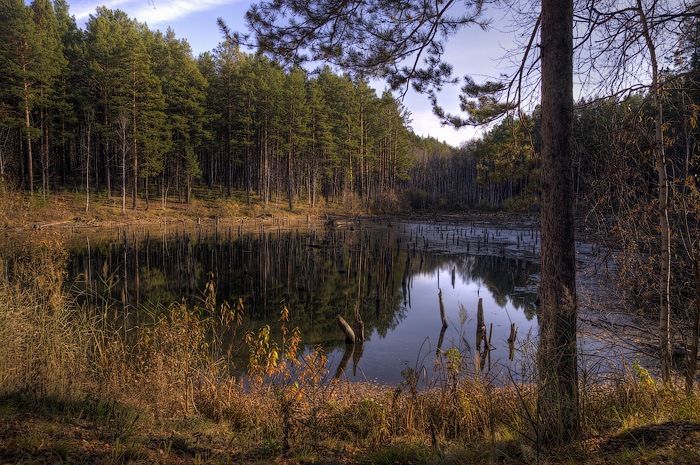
{"x":359,"y":324}
{"x":441,"y":339}
{"x":356,"y":356}
{"x":511,"y":351}
{"x":345,"y":327}
{"x":480,"y":325}
{"x":480,"y":315}
{"x":513,"y":333}
{"x":349,"y":349}
{"x":442,"y":310}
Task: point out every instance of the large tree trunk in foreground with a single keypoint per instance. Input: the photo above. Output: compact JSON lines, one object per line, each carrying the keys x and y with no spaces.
{"x":557,"y":362}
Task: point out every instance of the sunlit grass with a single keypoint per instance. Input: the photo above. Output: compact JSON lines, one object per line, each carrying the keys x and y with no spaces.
{"x":66,"y":208}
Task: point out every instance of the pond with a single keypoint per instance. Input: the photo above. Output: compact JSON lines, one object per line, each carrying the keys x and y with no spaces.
{"x":398,"y":274}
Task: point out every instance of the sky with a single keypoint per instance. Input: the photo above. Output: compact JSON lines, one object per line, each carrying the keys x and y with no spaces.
{"x":472,"y":51}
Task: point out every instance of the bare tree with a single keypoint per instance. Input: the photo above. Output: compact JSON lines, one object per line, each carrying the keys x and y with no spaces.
{"x":621,"y":43}
{"x":123,"y":128}
{"x":89,"y":123}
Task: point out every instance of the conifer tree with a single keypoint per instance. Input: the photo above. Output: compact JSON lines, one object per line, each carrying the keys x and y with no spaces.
{"x":68,"y":88}
{"x":184,"y":88}
{"x":50,"y":64}
{"x":296,"y":116}
{"x":21,"y":60}
{"x":104,"y":73}
{"x":320,"y":138}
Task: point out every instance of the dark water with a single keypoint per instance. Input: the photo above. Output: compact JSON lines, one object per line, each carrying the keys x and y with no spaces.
{"x":394,"y":275}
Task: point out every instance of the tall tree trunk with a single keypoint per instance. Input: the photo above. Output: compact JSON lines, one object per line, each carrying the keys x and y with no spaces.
{"x":30,"y":158}
{"x":695,"y":331}
{"x":145,"y":190}
{"x":44,"y":153}
{"x":135,"y":176}
{"x":188,"y":190}
{"x":268,"y":175}
{"x":105,"y":154}
{"x":87,"y":164}
{"x":229,"y":151}
{"x":557,"y":359}
{"x":664,"y":229}
{"x":290,"y":165}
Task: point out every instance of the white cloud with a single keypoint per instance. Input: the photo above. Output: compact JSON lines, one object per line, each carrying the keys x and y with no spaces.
{"x":157,"y":12}
{"x":82,"y":9}
{"x":152,"y":12}
{"x":426,"y":124}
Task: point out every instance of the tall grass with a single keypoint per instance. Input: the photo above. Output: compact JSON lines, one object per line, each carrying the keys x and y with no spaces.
{"x":180,"y":366}
{"x":45,"y":338}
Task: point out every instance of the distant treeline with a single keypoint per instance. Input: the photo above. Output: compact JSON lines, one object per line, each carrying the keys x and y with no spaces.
{"x":121,"y":110}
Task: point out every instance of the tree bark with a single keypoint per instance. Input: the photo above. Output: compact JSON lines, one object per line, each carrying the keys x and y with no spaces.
{"x":134,"y":174}
{"x":664,"y":229}
{"x":557,"y":358}
{"x":347,"y":329}
{"x":694,"y":334}
{"x":30,"y":158}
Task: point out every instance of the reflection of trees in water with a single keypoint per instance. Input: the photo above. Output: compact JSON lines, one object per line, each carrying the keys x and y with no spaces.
{"x":318,"y":274}
{"x":504,"y":277}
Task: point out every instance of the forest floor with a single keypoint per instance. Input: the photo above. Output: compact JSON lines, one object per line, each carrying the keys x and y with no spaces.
{"x":70,"y":210}
{"x":87,"y":432}
{"x":65,"y":209}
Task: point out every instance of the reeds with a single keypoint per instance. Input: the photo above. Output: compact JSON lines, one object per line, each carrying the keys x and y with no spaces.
{"x":180,"y":366}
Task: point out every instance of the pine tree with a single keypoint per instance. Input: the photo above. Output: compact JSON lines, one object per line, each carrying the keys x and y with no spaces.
{"x":51,"y":64}
{"x":104,"y":73}
{"x":184,"y":91}
{"x":297,"y":118}
{"x":320,"y":138}
{"x":227,"y":57}
{"x":21,"y":67}
{"x":207,"y":68}
{"x":68,"y":89}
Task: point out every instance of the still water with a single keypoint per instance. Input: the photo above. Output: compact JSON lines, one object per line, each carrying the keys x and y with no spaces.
{"x":396,"y":275}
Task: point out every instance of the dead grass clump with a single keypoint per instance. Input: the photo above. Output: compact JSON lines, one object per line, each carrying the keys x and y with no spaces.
{"x":45,"y":338}
{"x":478,"y":411}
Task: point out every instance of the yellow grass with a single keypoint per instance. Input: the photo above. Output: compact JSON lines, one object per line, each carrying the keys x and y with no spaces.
{"x":74,"y":389}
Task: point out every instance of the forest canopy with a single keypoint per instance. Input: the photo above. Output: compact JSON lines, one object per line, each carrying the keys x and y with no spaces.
{"x":118,"y":109}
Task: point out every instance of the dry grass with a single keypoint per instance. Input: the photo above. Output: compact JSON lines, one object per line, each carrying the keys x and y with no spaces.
{"x":73,"y":389}
{"x":67,"y":209}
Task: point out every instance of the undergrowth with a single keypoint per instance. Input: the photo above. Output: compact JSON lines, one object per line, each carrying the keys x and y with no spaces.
{"x":176,"y":374}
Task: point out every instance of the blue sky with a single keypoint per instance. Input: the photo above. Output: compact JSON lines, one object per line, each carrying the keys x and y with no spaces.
{"x":472,"y":51}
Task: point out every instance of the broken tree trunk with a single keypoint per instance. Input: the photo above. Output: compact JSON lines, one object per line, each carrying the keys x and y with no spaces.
{"x":442,"y":310}
{"x":513,"y":333}
{"x":480,"y":325}
{"x":345,"y":327}
{"x":359,"y":325}
{"x":349,"y":349}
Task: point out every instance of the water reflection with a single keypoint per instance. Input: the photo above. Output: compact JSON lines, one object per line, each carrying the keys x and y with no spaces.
{"x":415,"y":304}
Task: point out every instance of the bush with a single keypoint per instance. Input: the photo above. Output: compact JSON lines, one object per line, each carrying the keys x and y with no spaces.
{"x":419,"y":199}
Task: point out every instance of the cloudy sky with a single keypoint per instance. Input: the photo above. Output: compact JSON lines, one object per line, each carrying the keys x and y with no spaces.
{"x":472,"y":51}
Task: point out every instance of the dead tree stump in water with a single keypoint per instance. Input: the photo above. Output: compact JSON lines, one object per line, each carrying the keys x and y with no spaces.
{"x":513,"y":333}
{"x":442,"y":310}
{"x":349,"y":350}
{"x":359,"y":325}
{"x":480,"y":325}
{"x":345,"y":327}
